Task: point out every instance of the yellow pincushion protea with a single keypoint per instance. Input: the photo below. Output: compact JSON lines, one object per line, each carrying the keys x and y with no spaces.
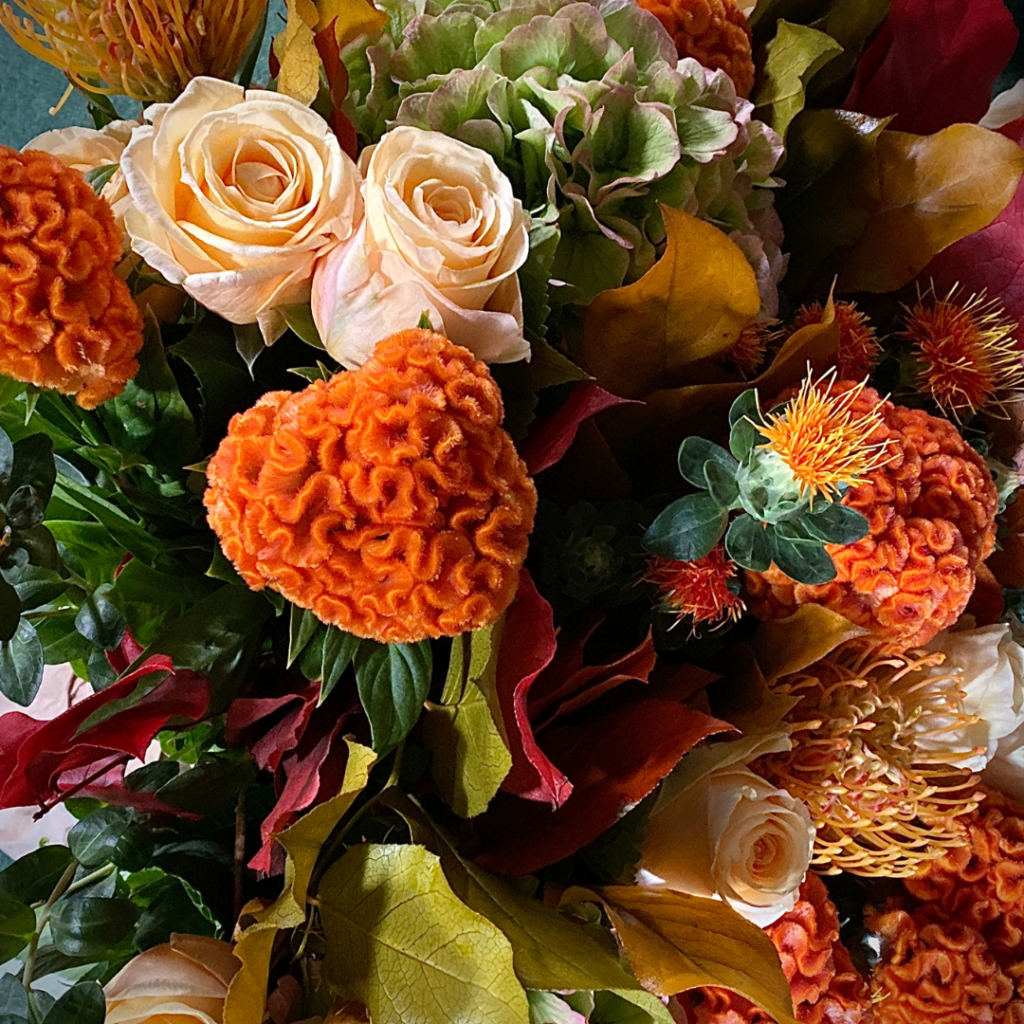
{"x":146,"y":49}
{"x":882,"y":801}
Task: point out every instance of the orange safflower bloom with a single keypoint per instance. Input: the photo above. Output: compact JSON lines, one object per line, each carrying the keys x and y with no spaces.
{"x":698,"y":590}
{"x":713,"y":32}
{"x":748,"y":354}
{"x":931,"y":512}
{"x":67,"y":321}
{"x":388,"y":500}
{"x":859,"y":347}
{"x":825,"y":986}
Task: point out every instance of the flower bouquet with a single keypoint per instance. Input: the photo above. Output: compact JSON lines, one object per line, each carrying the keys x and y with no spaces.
{"x":507,"y":514}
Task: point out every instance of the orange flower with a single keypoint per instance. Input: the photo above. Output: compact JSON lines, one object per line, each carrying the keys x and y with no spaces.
{"x":388,"y":499}
{"x":747,"y":355}
{"x":826,"y":988}
{"x":67,"y":321}
{"x":698,"y":589}
{"x":931,"y":512}
{"x":968,"y":354}
{"x":881,"y":804}
{"x":713,"y":32}
{"x":934,"y":973}
{"x":859,"y":348}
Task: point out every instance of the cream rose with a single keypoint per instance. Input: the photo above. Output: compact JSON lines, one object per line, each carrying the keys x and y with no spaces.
{"x":442,"y":235}
{"x":185,"y":980}
{"x":86,"y":149}
{"x":235,"y":194}
{"x":735,"y":837}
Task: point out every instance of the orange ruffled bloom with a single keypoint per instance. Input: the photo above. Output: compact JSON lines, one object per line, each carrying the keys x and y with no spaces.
{"x":388,"y":500}
{"x":931,"y":512}
{"x":933,"y":973}
{"x":825,"y":986}
{"x":67,"y":321}
{"x":859,"y":347}
{"x":713,"y":32}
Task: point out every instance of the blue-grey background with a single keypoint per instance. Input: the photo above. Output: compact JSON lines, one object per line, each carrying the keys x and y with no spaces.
{"x":28,"y":88}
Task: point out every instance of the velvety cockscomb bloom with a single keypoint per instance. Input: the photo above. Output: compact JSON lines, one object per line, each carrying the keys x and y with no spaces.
{"x":859,"y":347}
{"x":882,"y":803}
{"x":825,"y":986}
{"x":387,"y":499}
{"x":933,"y":973}
{"x":826,"y":437}
{"x":146,"y":49}
{"x":697,"y":590}
{"x":713,"y":32}
{"x":968,"y":354}
{"x":67,"y":321}
{"x":931,"y":511}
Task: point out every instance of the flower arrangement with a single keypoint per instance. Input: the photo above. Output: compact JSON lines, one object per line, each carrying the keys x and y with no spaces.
{"x":509,"y":511}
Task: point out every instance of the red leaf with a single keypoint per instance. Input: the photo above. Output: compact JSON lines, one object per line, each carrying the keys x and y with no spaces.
{"x":990,"y":260}
{"x":615,"y":758}
{"x":527,"y":646}
{"x":550,"y":439}
{"x":35,"y":755}
{"x":272,"y":738}
{"x":934,"y":63}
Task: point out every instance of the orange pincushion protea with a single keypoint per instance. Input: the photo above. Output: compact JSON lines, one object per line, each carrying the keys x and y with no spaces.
{"x":933,"y":973}
{"x":825,"y":986}
{"x":881,"y":801}
{"x":859,"y":348}
{"x":388,"y":500}
{"x":698,"y":590}
{"x":67,"y":321}
{"x":713,"y":32}
{"x":931,"y":511}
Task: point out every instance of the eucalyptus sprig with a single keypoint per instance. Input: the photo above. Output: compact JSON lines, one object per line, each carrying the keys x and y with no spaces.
{"x":778,"y":522}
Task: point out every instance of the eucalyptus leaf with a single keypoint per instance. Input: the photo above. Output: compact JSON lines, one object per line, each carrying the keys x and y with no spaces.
{"x":393,"y":682}
{"x":688,"y":529}
{"x":800,"y":558}
{"x":721,"y":483}
{"x":834,"y":523}
{"x":748,"y":544}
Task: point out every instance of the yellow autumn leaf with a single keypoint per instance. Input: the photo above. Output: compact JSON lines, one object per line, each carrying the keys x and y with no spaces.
{"x":675,"y":942}
{"x":247,"y":994}
{"x":930,"y":191}
{"x":352,"y":18}
{"x":690,"y":306}
{"x":790,"y":645}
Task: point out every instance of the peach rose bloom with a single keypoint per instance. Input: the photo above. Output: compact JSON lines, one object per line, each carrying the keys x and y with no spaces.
{"x":86,"y":149}
{"x":235,"y":195}
{"x":185,"y":980}
{"x":444,"y":236}
{"x":734,"y":837}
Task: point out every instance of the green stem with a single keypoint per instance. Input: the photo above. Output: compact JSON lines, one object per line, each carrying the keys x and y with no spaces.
{"x":98,"y":875}
{"x":44,"y":917}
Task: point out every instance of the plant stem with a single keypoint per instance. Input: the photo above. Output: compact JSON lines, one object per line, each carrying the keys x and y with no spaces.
{"x":98,"y":875}
{"x":42,"y":921}
{"x":239,"y":859}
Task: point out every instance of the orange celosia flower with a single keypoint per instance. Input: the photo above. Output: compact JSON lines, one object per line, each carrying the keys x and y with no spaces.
{"x":933,"y":973}
{"x":388,"y":499}
{"x":67,"y":321}
{"x":881,"y":804}
{"x":968,"y":354}
{"x":859,"y":347}
{"x":748,"y":354}
{"x":931,"y":513}
{"x":713,"y":32}
{"x":825,"y":986}
{"x":825,"y":437}
{"x":699,"y":589}
{"x":146,"y":49}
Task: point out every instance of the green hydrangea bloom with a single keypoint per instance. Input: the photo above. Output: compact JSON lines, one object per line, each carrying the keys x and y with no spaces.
{"x":586,"y":108}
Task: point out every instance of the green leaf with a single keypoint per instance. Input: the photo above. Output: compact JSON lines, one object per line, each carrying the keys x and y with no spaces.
{"x":33,"y":877}
{"x":694,"y":452}
{"x":794,"y":57}
{"x":13,"y":997}
{"x":84,"y":1003}
{"x":799,"y":557}
{"x":745,"y":407}
{"x":34,"y":465}
{"x":302,"y":624}
{"x":36,"y":586}
{"x":300,"y":321}
{"x":252,"y":52}
{"x":249,"y":343}
{"x":393,"y":681}
{"x":400,"y":942}
{"x":99,"y":176}
{"x":17,"y":923}
{"x":721,"y":483}
{"x":25,"y":508}
{"x":748,"y":544}
{"x":6,"y":458}
{"x":99,"y":620}
{"x":471,"y":757}
{"x":90,"y":925}
{"x":172,"y":910}
{"x":549,"y":950}
{"x":835,"y":524}
{"x":97,"y":838}
{"x":311,"y":664}
{"x":10,"y":611}
{"x":688,"y":529}
{"x":339,"y":650}
{"x":21,"y":665}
